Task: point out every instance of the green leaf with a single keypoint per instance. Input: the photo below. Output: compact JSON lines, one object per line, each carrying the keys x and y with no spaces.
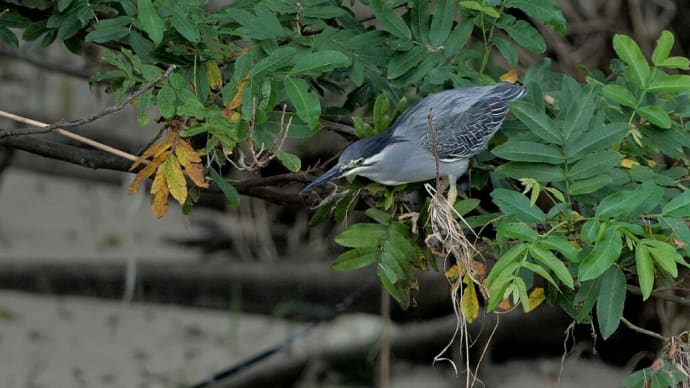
{"x":538,"y":171}
{"x":585,"y":298}
{"x":679,"y":206}
{"x":150,"y":22}
{"x":611,"y":301}
{"x":528,"y":151}
{"x":109,"y":29}
{"x":670,"y":83}
{"x":645,"y":270}
{"x":629,"y":52}
{"x":561,"y":244}
{"x":547,"y":11}
{"x":590,"y":230}
{"x":362,"y":235}
{"x":403,"y":62}
{"x":390,"y":20}
{"x":515,"y":204}
{"x":441,"y":22}
{"x":323,"y":12}
{"x":63,"y":4}
{"x":486,"y":10}
{"x":319,"y":62}
{"x":599,"y":137}
{"x":594,"y":164}
{"x":378,"y":215}
{"x":306,"y":104}
{"x":663,"y":47}
{"x":290,"y":161}
{"x":504,"y":266}
{"x":166,"y":100}
{"x":602,"y":257}
{"x":517,"y":230}
{"x":465,"y":206}
{"x":188,"y":30}
{"x":616,"y":204}
{"x":231,"y":195}
{"x":590,"y":185}
{"x":536,"y":121}
{"x":507,"y":49}
{"x":550,"y":260}
{"x":539,"y":270}
{"x":656,"y":115}
{"x":681,"y":63}
{"x":620,"y":95}
{"x":664,"y":255}
{"x":356,"y":258}
{"x":278,"y":59}
{"x":389,"y":285}
{"x":525,"y":35}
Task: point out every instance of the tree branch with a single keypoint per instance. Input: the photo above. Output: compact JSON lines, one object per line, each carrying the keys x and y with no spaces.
{"x":266,"y":188}
{"x":685,"y":301}
{"x":41,"y":128}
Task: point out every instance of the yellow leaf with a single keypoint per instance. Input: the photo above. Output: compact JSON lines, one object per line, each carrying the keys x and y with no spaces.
{"x":146,"y":172}
{"x":651,"y":162}
{"x":469,"y":304}
{"x":536,"y":297}
{"x":453,"y":273}
{"x":237,"y":99}
{"x":511,"y":76}
{"x":175,"y":179}
{"x":185,"y":153}
{"x":215,"y":79}
{"x":505,"y":304}
{"x":195,"y":172}
{"x":154,"y":150}
{"x":159,"y":194}
{"x":629,"y":163}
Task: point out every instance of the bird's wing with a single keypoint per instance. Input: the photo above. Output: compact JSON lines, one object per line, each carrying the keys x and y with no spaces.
{"x":462,"y":136}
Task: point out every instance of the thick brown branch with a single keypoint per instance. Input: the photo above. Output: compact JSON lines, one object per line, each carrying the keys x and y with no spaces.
{"x":268,"y":188}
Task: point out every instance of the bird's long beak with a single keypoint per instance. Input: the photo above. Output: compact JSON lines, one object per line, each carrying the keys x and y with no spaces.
{"x":335,"y":172}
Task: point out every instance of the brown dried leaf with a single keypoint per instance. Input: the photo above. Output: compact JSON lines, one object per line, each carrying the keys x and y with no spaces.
{"x":175,"y":179}
{"x":146,"y":172}
{"x":155,"y":150}
{"x":237,"y":98}
{"x":186,"y":154}
{"x":195,"y":172}
{"x":159,"y":194}
{"x":505,"y":305}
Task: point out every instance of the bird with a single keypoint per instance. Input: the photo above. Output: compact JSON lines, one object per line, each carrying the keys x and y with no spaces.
{"x":464,"y":120}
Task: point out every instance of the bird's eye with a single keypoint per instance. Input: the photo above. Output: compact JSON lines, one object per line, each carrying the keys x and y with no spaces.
{"x":353,"y":163}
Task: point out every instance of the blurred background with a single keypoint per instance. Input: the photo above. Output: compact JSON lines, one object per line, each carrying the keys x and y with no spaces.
{"x":97,"y":292}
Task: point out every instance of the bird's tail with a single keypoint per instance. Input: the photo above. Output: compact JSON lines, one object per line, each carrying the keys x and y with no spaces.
{"x":508,"y":92}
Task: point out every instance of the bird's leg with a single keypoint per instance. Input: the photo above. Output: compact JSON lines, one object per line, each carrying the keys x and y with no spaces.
{"x":452,"y":194}
{"x":452,"y":189}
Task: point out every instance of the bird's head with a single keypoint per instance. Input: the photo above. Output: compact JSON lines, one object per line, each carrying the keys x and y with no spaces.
{"x":355,"y":159}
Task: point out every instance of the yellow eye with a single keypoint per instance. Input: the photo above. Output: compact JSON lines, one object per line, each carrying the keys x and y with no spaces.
{"x":353,"y":163}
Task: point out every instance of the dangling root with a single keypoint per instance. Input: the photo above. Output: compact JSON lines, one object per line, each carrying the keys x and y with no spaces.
{"x":447,"y":239}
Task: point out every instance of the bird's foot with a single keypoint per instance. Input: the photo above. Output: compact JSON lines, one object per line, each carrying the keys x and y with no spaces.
{"x":452,"y":194}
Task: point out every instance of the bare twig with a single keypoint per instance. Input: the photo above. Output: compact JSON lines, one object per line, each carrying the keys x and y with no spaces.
{"x":65,"y":133}
{"x":41,"y":128}
{"x":644,"y":331}
{"x":385,"y":355}
{"x":683,"y":300}
{"x":434,"y":151}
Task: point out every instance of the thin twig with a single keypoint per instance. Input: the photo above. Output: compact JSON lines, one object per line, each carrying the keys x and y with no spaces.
{"x":638,"y":329}
{"x":41,"y":128}
{"x":434,"y":151}
{"x":385,"y":355}
{"x":682,"y":300}
{"x":68,"y":134}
